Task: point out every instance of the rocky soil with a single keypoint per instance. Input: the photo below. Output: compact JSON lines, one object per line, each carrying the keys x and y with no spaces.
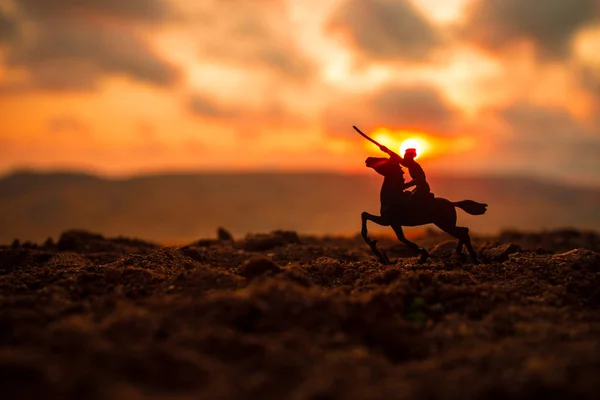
{"x":278,"y":315}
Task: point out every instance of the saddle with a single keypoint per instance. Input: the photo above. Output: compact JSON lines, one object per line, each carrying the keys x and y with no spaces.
{"x":421,"y":204}
{"x":407,"y":204}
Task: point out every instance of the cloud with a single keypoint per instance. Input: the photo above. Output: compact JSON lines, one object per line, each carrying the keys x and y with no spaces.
{"x":203,"y":106}
{"x":70,"y":48}
{"x":589,"y":79}
{"x":417,"y":107}
{"x":546,"y":139}
{"x":254,"y":35}
{"x":78,"y":54}
{"x":573,"y":159}
{"x":387,"y":30}
{"x":549,"y":24}
{"x":67,"y":124}
{"x":544,"y":122}
{"x":8,"y":28}
{"x":247,"y":119}
{"x":149,"y":11}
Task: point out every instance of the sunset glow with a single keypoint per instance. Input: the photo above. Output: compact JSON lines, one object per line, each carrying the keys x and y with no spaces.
{"x":175,"y":85}
{"x":411,"y":144}
{"x":399,"y":141}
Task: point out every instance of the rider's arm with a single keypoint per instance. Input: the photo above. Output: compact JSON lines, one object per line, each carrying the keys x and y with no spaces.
{"x":410,"y":184}
{"x":417,"y":175}
{"x":393,"y":156}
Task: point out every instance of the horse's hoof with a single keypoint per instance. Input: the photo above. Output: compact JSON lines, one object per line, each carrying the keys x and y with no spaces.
{"x":387,"y":259}
{"x":371,"y":242}
{"x":476,"y":261}
{"x":383,"y":261}
{"x":424,"y":257}
{"x":386,"y":262}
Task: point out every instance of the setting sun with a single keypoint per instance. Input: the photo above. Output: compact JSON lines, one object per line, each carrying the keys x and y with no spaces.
{"x":411,"y":144}
{"x":399,"y":141}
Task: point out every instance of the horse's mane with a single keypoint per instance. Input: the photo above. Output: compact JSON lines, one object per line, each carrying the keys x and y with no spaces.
{"x":385,"y":167}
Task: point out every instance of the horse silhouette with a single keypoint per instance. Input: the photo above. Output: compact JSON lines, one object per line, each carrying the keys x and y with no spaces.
{"x":397,"y":210}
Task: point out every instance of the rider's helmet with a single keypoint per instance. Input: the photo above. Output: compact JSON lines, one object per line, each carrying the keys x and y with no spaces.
{"x":410,"y":153}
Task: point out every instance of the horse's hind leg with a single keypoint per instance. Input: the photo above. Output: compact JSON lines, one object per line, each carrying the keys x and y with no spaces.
{"x":400,"y":235}
{"x":365,"y":216}
{"x":462,"y":234}
{"x":458,"y":251}
{"x":469,"y":245}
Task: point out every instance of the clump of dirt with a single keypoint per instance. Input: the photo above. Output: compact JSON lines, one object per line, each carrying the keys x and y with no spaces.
{"x":281,"y":315}
{"x":559,"y":240}
{"x":261,"y":242}
{"x":86,"y":242}
{"x":499,"y":252}
{"x":258,"y":266}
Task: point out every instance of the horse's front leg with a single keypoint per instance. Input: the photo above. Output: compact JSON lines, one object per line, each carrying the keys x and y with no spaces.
{"x":424,"y":254}
{"x":365,"y":216}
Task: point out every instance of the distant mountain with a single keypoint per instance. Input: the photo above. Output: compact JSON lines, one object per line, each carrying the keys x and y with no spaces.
{"x":179,"y":208}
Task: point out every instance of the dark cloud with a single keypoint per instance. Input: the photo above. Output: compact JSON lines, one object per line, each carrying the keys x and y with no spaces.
{"x":249,"y":120}
{"x":69,"y":48}
{"x":203,"y":106}
{"x":137,"y":10}
{"x":8,"y":28}
{"x":278,"y":57}
{"x":526,"y":119}
{"x":385,"y":29}
{"x":547,"y":139}
{"x":67,"y":124}
{"x":581,"y":155}
{"x":417,"y":105}
{"x":396,"y":107}
{"x":549,"y":24}
{"x":576,"y":159}
{"x":589,"y":78}
{"x":77,"y":55}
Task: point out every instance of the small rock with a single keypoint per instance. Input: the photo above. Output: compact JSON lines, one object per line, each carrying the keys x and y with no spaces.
{"x":263,"y":242}
{"x":444,"y":250}
{"x":580,"y":259}
{"x":501,"y":252}
{"x":224,"y":235}
{"x":297,"y":274}
{"x":288,"y":236}
{"x":76,"y":240}
{"x":194,"y":253}
{"x":206,"y":242}
{"x":258,"y":266}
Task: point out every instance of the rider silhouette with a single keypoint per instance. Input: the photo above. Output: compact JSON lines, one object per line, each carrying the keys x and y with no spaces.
{"x":394,"y":213}
{"x":422,"y":190}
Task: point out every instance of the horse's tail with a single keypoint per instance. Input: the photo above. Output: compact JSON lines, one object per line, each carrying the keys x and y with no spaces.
{"x":471,"y":207}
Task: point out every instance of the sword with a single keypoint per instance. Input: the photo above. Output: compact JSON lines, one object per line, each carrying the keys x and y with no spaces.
{"x":361,"y":133}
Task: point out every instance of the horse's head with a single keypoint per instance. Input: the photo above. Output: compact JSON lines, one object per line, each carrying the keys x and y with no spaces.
{"x":384,"y":166}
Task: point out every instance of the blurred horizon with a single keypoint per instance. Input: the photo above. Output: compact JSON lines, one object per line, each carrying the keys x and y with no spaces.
{"x":139,"y":87}
{"x":435,"y":174}
{"x":180,"y":208}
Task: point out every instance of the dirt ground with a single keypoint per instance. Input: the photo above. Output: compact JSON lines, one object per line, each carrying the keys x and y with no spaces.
{"x":278,"y":316}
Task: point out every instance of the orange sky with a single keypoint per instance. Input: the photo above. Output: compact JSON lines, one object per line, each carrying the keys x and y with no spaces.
{"x":151,"y":85}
